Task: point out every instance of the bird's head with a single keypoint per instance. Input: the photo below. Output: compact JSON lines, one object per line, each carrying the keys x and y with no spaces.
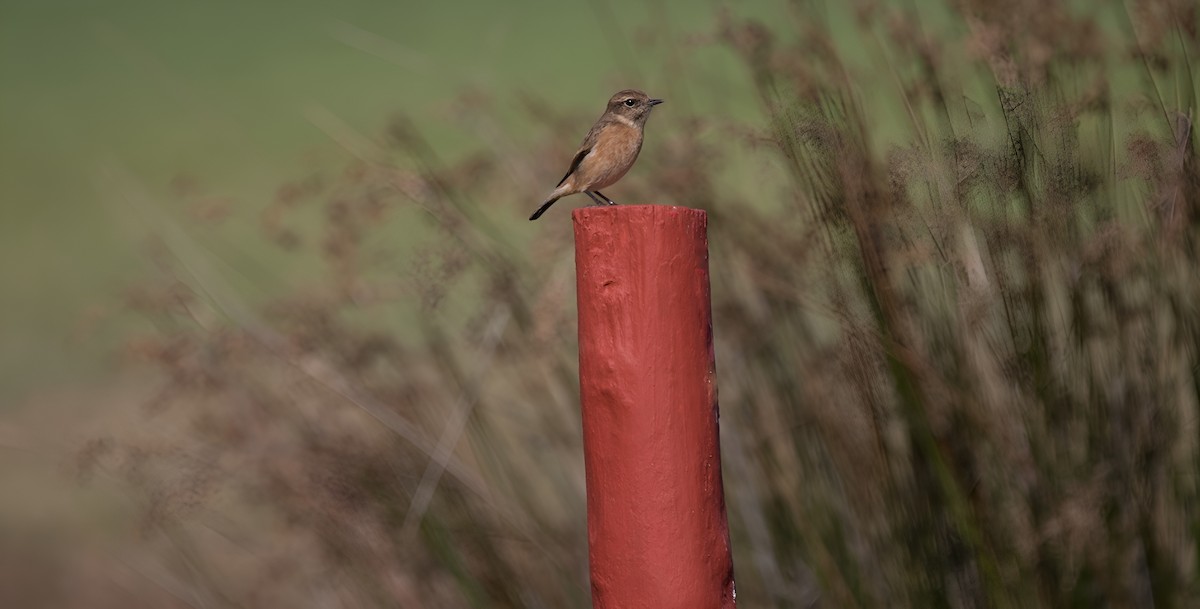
{"x":633,"y":105}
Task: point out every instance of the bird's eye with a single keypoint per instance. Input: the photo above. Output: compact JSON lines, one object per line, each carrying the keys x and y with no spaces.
{"x":630,"y":102}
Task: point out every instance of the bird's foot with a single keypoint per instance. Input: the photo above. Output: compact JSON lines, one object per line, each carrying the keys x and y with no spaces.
{"x":606,"y":199}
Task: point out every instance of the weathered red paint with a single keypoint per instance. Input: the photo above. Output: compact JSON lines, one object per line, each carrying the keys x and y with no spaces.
{"x":657,"y":530}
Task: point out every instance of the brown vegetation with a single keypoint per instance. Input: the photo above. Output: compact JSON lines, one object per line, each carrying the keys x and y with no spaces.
{"x":958,"y":357}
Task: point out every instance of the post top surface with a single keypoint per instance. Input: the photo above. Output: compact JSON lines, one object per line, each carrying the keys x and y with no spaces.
{"x":630,"y":212}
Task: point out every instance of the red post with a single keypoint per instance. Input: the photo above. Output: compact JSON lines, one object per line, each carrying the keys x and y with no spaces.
{"x":657,"y":532}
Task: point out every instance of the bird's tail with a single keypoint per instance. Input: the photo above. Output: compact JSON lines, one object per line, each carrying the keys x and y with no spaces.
{"x":541,"y":210}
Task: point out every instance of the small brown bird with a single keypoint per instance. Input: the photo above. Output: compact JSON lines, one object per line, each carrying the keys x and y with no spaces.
{"x":608,"y":150}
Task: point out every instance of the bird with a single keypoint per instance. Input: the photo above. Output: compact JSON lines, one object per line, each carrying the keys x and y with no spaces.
{"x":608,"y":150}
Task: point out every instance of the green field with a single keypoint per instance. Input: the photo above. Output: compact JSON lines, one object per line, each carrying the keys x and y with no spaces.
{"x":276,"y":332}
{"x":222,"y":96}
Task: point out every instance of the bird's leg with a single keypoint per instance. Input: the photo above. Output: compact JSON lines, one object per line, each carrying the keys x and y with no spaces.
{"x":608,"y":200}
{"x":594,"y":198}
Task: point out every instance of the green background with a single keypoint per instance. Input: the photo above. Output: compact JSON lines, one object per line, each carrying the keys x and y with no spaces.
{"x":222,"y":96}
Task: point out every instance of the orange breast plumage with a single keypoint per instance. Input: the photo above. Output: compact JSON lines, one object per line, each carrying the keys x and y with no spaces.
{"x":617,"y":147}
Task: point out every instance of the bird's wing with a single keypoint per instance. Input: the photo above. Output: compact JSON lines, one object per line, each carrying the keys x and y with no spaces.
{"x":574,"y":164}
{"x":588,"y":142}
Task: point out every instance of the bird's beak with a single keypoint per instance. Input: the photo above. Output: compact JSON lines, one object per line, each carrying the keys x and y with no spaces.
{"x":655,"y":102}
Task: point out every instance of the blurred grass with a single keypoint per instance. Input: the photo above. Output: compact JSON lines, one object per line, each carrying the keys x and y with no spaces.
{"x":954,"y":251}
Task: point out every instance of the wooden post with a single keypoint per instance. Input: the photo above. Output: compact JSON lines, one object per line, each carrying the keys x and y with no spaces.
{"x":657,"y":531}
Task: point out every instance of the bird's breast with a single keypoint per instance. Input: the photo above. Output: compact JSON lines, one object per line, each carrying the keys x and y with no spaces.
{"x":617,"y":147}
